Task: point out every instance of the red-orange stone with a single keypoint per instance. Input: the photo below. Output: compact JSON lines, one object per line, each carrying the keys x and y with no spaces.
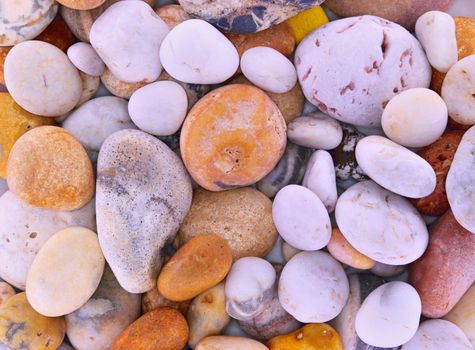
{"x":58,"y":34}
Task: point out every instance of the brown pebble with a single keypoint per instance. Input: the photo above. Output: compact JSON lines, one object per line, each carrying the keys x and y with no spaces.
{"x":172,"y":14}
{"x":345,"y":253}
{"x":153,"y":299}
{"x":58,"y":34}
{"x":118,"y":87}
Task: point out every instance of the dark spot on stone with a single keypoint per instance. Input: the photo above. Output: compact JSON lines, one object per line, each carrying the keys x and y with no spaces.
{"x":243,"y":24}
{"x":259,"y":11}
{"x":13,"y":329}
{"x":223,"y":185}
{"x":395,"y":90}
{"x":317,"y":43}
{"x":344,"y":29}
{"x":33,"y":234}
{"x":403,"y":82}
{"x":384,"y":104}
{"x":406,"y":53}
{"x":384,"y":44}
{"x":441,"y":157}
{"x":307,"y":74}
{"x":350,"y":86}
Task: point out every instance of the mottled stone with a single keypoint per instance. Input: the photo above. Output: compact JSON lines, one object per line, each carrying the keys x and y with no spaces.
{"x":172,"y":14}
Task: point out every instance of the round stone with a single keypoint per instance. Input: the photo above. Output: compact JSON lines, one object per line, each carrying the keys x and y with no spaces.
{"x":37,"y":85}
{"x":344,"y":252}
{"x":118,"y":87}
{"x":86,"y":59}
{"x":81,"y":4}
{"x":159,"y":108}
{"x":172,"y":14}
{"x":309,"y":337}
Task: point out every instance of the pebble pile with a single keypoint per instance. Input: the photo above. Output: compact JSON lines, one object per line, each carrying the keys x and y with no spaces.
{"x":237,"y":175}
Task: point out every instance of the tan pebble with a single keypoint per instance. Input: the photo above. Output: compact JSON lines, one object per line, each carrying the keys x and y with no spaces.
{"x":58,"y":34}
{"x":172,"y":14}
{"x":6,"y":291}
{"x":229,"y":343}
{"x":118,"y":87}
{"x":344,"y":252}
{"x":463,"y":314}
{"x":153,"y":299}
{"x":81,"y":4}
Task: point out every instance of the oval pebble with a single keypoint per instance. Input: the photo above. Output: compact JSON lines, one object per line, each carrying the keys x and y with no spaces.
{"x":463,"y":314}
{"x":389,"y":316}
{"x":309,"y":337}
{"x":153,"y":300}
{"x":187,"y":50}
{"x":344,"y":252}
{"x":86,"y":59}
{"x":394,"y":167}
{"x":301,"y":218}
{"x":229,"y":343}
{"x":288,"y":252}
{"x":118,"y":87}
{"x":381,"y":224}
{"x":172,"y":14}
{"x":309,"y":274}
{"x":159,"y":108}
{"x":307,"y":21}
{"x":415,"y":117}
{"x":81,"y":4}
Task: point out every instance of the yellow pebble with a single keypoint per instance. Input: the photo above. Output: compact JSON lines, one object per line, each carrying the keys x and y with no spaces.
{"x":314,"y":336}
{"x":307,"y":21}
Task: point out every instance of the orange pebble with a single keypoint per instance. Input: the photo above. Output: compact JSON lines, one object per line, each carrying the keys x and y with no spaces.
{"x":344,"y":252}
{"x":58,"y":34}
{"x":172,"y":14}
{"x":314,"y":336}
{"x":81,"y":4}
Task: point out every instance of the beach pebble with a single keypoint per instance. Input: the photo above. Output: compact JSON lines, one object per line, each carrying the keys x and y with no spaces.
{"x":159,"y":108}
{"x":350,"y":68}
{"x":309,"y":274}
{"x":109,"y":311}
{"x":320,"y":178}
{"x":381,"y":224}
{"x":301,"y":218}
{"x":37,"y":85}
{"x":58,"y":34}
{"x":288,"y":252}
{"x":463,"y":314}
{"x":394,"y":167}
{"x":310,"y":337}
{"x":153,"y":299}
{"x":151,"y":206}
{"x":163,"y":328}
{"x":6,"y":291}
{"x":81,"y":4}
{"x":415,"y":117}
{"x":90,"y":85}
{"x":249,"y":284}
{"x":385,"y":270}
{"x":172,"y":14}
{"x":315,"y":130}
{"x":306,"y":22}
{"x":86,"y":59}
{"x":118,"y":87}
{"x":229,"y":343}
{"x":24,"y":20}
{"x":31,"y":329}
{"x":438,"y":334}
{"x":223,"y":148}
{"x":447,"y":269}
{"x":132,"y":55}
{"x":268,"y":69}
{"x":344,"y":252}
{"x":198,"y":265}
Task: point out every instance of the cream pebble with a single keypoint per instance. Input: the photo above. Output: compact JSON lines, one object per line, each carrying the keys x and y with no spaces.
{"x":86,"y":59}
{"x":436,"y":33}
{"x":159,"y":108}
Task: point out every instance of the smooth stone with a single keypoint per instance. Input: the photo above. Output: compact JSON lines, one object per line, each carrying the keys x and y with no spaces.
{"x":344,"y":252}
{"x":301,"y":218}
{"x":48,"y":168}
{"x":153,"y":299}
{"x":3,"y":55}
{"x":381,"y":224}
{"x":307,"y":21}
{"x":249,"y":284}
{"x":394,"y":167}
{"x":463,"y":314}
{"x":24,"y":229}
{"x":6,"y":292}
{"x":309,"y":337}
{"x":415,"y":118}
{"x":86,"y":59}
{"x":268,"y":69}
{"x":22,"y":327}
{"x":288,"y":252}
{"x":150,"y":206}
{"x":24,"y":20}
{"x":38,"y":86}
{"x":81,"y":4}
{"x":438,"y":334}
{"x":132,"y":55}
{"x":3,"y":186}
{"x":309,"y":274}
{"x":441,"y":52}
{"x":94,"y":121}
{"x":229,"y":343}
{"x":57,"y":33}
{"x":109,"y":311}
{"x":315,"y":130}
{"x":172,"y":14}
{"x":389,"y":316}
{"x":90,"y":85}
{"x":385,"y":270}
{"x":320,"y":178}
{"x":350,"y":68}
{"x":460,"y":183}
{"x":159,"y":108}
{"x":118,"y":87}
{"x":447,"y":269}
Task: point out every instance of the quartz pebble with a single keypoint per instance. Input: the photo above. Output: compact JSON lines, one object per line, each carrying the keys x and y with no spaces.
{"x":463,"y":314}
{"x":159,"y":108}
{"x":229,"y":343}
{"x":309,"y":274}
{"x":381,"y":224}
{"x":389,"y":316}
{"x":301,"y":218}
{"x":343,"y":251}
{"x":310,"y":337}
{"x":186,"y":52}
{"x":394,"y":167}
{"x":415,"y":117}
{"x":86,"y":59}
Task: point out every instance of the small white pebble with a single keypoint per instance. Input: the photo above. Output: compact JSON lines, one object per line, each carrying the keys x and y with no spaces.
{"x":86,"y":59}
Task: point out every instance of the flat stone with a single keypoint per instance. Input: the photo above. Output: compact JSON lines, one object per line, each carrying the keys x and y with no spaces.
{"x":86,"y":59}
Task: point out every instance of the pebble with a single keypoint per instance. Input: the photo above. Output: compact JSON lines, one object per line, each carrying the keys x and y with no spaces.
{"x":438,"y":334}
{"x":198,"y":265}
{"x":86,"y":59}
{"x":218,"y":138}
{"x":97,"y":119}
{"x":207,"y":315}
{"x":439,"y":155}
{"x":24,"y":229}
{"x":385,"y":270}
{"x":463,"y":314}
{"x":131,"y":55}
{"x":152,"y":300}
{"x":381,"y":224}
{"x":350,"y":68}
{"x":389,"y":316}
{"x":36,"y":85}
{"x":57,"y":33}
{"x":320,"y":178}
{"x":6,"y":292}
{"x":442,"y":52}
{"x":229,"y":343}
{"x":159,"y":108}
{"x":90,"y":85}
{"x":447,"y":269}
{"x":301,"y":218}
{"x":394,"y":167}
{"x":310,"y":337}
{"x":52,"y":292}
{"x":163,"y":328}
{"x":172,"y":15}
{"x":288,"y":252}
{"x":186,"y":57}
{"x":65,"y":346}
{"x":307,"y":21}
{"x":309,"y":274}
{"x":118,"y":87}
{"x":415,"y":117}
{"x":3,"y":55}
{"x":25,"y":20}
{"x":23,"y":327}
{"x":81,"y":4}
{"x":315,"y":130}
{"x":345,"y":253}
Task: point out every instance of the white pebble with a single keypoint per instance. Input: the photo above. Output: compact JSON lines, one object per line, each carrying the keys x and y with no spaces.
{"x":86,"y":59}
